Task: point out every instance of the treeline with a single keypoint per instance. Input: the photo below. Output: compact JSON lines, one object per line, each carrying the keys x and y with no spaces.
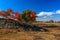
{"x":50,"y":21}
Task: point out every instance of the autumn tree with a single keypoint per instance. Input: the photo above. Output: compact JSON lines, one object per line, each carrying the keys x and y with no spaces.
{"x":28,"y":16}
{"x":17,"y":16}
{"x":3,"y":13}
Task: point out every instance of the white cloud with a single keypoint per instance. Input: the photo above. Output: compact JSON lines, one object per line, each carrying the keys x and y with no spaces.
{"x":58,"y":12}
{"x":45,"y":17}
{"x":45,"y":13}
{"x":40,"y":14}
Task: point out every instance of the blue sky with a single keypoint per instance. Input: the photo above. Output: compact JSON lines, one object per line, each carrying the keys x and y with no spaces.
{"x":50,"y":8}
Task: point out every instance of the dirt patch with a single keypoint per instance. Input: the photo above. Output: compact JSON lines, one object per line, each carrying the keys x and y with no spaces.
{"x":57,"y":36}
{"x":38,"y":38}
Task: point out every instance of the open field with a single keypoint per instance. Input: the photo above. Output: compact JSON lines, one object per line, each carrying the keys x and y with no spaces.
{"x":58,"y":24}
{"x":52,"y":35}
{"x":48,"y":24}
{"x":28,"y":36}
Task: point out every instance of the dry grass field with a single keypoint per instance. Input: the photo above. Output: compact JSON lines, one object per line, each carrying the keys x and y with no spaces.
{"x":31,"y":36}
{"x":53,"y":34}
